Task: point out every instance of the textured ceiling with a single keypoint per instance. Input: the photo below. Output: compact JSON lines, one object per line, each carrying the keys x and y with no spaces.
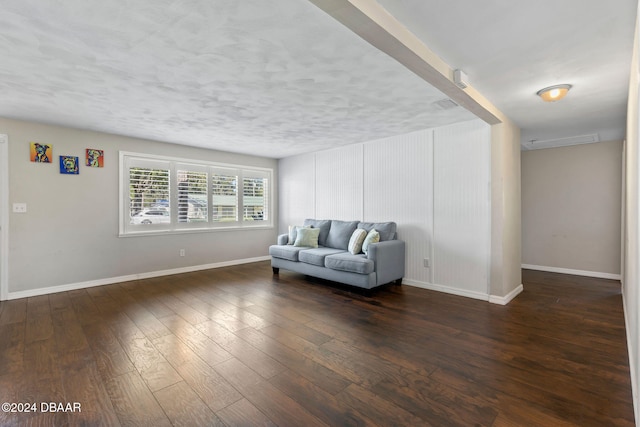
{"x":270,"y":78}
{"x":510,"y":50}
{"x":277,"y":78}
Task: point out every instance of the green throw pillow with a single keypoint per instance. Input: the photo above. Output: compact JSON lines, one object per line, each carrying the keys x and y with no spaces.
{"x":307,"y":237}
{"x":293,"y":233}
{"x":372,"y":237}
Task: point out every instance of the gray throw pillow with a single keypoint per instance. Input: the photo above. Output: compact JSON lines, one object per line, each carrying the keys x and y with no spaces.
{"x":340,"y":233}
{"x":323,"y":225}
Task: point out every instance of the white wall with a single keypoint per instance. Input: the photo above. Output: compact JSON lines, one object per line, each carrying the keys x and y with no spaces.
{"x":69,"y":235}
{"x":4,"y":213}
{"x":429,"y":180}
{"x":631,"y":253}
{"x":571,"y":198}
{"x":462,"y":220}
{"x":398,"y":187}
{"x":506,"y":212}
{"x":338,"y":183}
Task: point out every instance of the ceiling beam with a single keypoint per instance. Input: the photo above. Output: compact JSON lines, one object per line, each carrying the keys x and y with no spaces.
{"x":376,"y":25}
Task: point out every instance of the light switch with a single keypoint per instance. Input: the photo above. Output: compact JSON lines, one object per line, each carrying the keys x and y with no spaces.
{"x":19,"y":208}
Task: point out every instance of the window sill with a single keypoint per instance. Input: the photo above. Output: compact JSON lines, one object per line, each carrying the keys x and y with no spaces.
{"x":193,"y":231}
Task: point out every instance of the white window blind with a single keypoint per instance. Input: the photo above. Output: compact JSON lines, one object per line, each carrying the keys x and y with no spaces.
{"x":161,"y":194}
{"x":192,"y":196}
{"x":149,"y":188}
{"x":149,"y":193}
{"x":255,"y":191}
{"x":224,"y":197}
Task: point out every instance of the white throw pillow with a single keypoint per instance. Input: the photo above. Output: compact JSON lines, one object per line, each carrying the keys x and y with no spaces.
{"x":357,"y":238}
{"x":372,"y":237}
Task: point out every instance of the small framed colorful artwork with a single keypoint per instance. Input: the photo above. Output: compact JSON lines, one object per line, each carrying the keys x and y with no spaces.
{"x":69,"y":165}
{"x":41,"y":153}
{"x":95,"y":158}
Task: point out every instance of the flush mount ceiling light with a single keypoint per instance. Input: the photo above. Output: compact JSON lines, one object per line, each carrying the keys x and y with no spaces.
{"x":553,"y":93}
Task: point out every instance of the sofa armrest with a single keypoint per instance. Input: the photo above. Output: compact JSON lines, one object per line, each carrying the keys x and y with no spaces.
{"x":388,"y":258}
{"x":283,"y":239}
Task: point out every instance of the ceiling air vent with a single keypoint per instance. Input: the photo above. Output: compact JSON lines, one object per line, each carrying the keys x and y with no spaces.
{"x":445,"y":104}
{"x":536,"y":144}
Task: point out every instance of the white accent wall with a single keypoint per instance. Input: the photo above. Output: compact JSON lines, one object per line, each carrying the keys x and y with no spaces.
{"x":434,"y":183}
{"x":397,"y":174}
{"x":461,"y":208}
{"x":339,"y":183}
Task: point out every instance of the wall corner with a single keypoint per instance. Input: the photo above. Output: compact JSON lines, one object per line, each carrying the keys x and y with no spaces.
{"x":506,"y":232}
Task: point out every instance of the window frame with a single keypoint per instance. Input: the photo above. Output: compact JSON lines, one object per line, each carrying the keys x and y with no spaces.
{"x":128,"y":160}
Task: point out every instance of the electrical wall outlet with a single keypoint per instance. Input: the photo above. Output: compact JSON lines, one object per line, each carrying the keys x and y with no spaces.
{"x":425,"y":262}
{"x":181,"y":252}
{"x":19,"y":208}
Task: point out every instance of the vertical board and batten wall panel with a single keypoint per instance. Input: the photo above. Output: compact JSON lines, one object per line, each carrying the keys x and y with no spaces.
{"x":296,"y":186}
{"x":433,"y":183}
{"x":461,"y":226}
{"x":339,"y":183}
{"x":398,"y":187}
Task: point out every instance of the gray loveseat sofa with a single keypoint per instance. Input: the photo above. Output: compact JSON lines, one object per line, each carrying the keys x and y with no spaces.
{"x":332,"y":260}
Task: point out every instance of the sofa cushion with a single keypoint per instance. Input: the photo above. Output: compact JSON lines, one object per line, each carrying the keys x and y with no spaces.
{"x":348,"y":262}
{"x":357,"y":238}
{"x":323,"y":225}
{"x":285,"y":252}
{"x":307,"y":237}
{"x":316,"y":256}
{"x":339,"y":234}
{"x":387,"y":230}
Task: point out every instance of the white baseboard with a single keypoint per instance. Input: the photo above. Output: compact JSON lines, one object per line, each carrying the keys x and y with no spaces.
{"x":446,"y":289}
{"x":586,"y":273}
{"x":130,"y":277}
{"x":494,"y":299}
{"x":464,"y":293}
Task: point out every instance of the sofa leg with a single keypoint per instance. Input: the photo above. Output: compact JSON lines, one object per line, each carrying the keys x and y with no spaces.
{"x":276,"y":270}
{"x":398,"y":282}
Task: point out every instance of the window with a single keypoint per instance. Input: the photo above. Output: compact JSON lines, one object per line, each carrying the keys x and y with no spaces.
{"x":148,"y":189}
{"x":255,"y":198}
{"x":192,"y":196}
{"x":160,"y":194}
{"x":224,"y":200}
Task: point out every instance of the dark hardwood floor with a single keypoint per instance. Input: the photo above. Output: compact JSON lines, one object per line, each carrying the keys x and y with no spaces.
{"x":237,"y":346}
